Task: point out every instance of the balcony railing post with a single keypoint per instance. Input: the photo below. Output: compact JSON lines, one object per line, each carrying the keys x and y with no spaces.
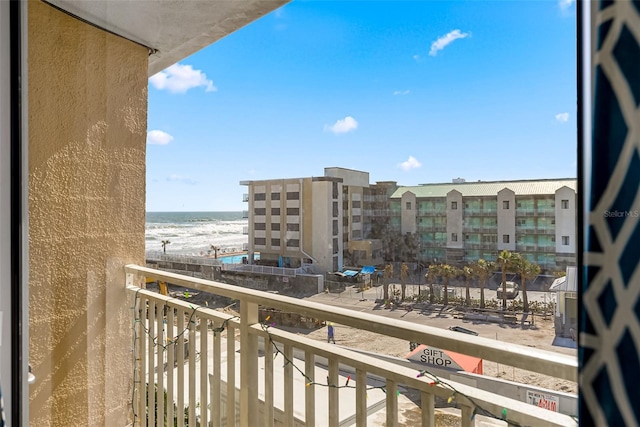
{"x":427,"y":403}
{"x":468,"y":420}
{"x":310,"y":392}
{"x":248,"y":365}
{"x":392,"y":404}
{"x":230,"y":410}
{"x":334,"y":397}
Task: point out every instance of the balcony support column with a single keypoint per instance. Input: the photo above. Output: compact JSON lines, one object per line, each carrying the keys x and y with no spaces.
{"x":248,"y":365}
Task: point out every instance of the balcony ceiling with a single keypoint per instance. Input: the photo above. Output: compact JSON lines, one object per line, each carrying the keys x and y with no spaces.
{"x":175,"y":28}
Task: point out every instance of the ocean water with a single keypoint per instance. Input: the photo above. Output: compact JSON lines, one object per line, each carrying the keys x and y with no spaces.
{"x":193,"y":233}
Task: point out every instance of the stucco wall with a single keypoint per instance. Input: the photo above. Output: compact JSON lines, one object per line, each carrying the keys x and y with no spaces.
{"x":87,"y":124}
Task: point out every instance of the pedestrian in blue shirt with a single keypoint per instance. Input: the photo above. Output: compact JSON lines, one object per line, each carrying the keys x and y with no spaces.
{"x":330,"y":337}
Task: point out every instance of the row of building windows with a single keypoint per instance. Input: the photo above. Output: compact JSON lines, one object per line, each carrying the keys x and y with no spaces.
{"x":262,"y":241}
{"x":276,"y":211}
{"x":505,"y":238}
{"x":275,"y":226}
{"x":291,"y":195}
{"x":505,"y":205}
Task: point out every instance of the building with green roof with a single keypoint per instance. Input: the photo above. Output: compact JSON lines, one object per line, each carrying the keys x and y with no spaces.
{"x":462,"y":221}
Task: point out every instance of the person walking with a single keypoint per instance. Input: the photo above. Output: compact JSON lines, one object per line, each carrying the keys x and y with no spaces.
{"x":330,"y":332}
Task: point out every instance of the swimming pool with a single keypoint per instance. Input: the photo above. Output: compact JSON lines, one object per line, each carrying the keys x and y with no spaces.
{"x":236,"y":259}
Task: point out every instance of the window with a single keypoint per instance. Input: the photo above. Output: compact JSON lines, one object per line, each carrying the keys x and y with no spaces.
{"x":489,"y":238}
{"x":505,"y":238}
{"x":505,"y":204}
{"x":293,"y":211}
{"x":355,"y":204}
{"x":408,"y":206}
{"x":335,"y":227}
{"x":355,"y":219}
{"x":564,"y":204}
{"x":259,"y":226}
{"x":521,"y":222}
{"x":454,"y":206}
{"x":260,"y":241}
{"x":275,"y":226}
{"x":454,"y":237}
{"x":275,"y":242}
{"x":293,"y":243}
{"x":293,"y":195}
{"x":336,"y":247}
{"x":335,"y":209}
{"x":260,"y":211}
{"x":565,"y":240}
{"x":275,"y":196}
{"x":260,"y":196}
{"x":335,"y":190}
{"x":553,"y":222}
{"x":275,"y":211}
{"x":293,"y":227}
{"x":356,"y":234}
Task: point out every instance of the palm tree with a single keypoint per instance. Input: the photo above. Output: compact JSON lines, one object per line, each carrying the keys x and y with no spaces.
{"x":527,"y":270}
{"x":468,"y":274}
{"x":482,"y":270}
{"x":505,"y":261}
{"x":215,"y":250}
{"x":404,"y":272}
{"x":164,"y":245}
{"x":447,"y":272}
{"x":430,"y":277}
{"x":388,"y":275}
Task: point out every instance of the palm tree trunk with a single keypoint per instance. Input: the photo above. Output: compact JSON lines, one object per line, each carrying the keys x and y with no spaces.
{"x":385,"y":287}
{"x":525,"y":299}
{"x":404,"y":289}
{"x":482,"y":295}
{"x":446,"y":291}
{"x":504,"y":286}
{"x":468,"y":296}
{"x":431,"y":295}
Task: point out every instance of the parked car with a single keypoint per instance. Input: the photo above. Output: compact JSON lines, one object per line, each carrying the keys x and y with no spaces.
{"x":512,"y":290}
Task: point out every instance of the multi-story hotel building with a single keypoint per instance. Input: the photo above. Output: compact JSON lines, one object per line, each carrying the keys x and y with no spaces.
{"x":461,"y":221}
{"x":340,"y":219}
{"x":299,"y":221}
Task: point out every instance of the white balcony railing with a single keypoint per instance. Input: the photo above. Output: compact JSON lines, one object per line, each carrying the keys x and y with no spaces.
{"x":191,"y":353}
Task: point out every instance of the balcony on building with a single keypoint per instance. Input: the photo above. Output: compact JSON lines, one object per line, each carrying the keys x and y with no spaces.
{"x":268,"y":376}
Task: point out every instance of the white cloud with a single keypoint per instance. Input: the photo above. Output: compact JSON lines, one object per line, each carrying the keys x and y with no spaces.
{"x":410,"y":163}
{"x":180,"y":78}
{"x":565,"y":4}
{"x":562,"y":117}
{"x":158,"y":137}
{"x":401,"y":92}
{"x":343,"y":126}
{"x":446,"y":40}
{"x":181,"y":179}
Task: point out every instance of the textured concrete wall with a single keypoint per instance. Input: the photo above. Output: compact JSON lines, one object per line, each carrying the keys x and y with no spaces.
{"x":87,"y":125}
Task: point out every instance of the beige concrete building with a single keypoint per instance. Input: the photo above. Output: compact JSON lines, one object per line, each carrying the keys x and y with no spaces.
{"x":314,"y":221}
{"x":84,"y":69}
{"x":292,"y":222}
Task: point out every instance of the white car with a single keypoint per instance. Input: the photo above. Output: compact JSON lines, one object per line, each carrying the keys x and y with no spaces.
{"x":512,"y":290}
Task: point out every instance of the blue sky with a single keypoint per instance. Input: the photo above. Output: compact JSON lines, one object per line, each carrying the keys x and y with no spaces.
{"x":413,"y":92}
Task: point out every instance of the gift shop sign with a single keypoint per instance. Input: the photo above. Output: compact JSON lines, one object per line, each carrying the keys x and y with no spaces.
{"x":436,"y":357}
